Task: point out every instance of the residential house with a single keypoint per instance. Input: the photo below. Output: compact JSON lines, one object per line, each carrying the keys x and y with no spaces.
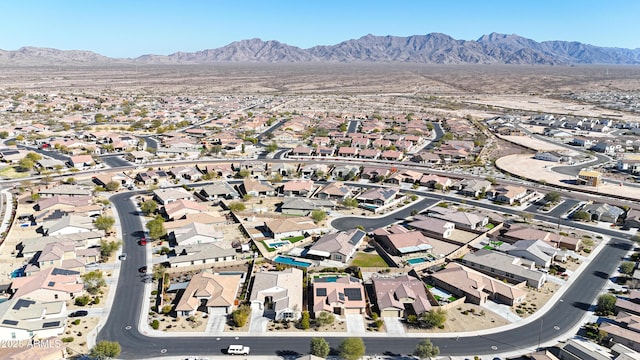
{"x":185,"y":172}
{"x":435,"y":182}
{"x":400,"y":296}
{"x":369,"y":154}
{"x":285,"y":228}
{"x":202,"y":218}
{"x":627,"y":306}
{"x":298,"y":188}
{"x":209,"y":293}
{"x":257,"y":188}
{"x":424,"y":157}
{"x":504,"y":266}
{"x":302,"y":151}
{"x":632,"y":219}
{"x":432,"y":226}
{"x":65,"y":190}
{"x":338,"y":246}
{"x":27,"y":319}
{"x":406,"y":176}
{"x":314,"y":170}
{"x":552,"y":156}
{"x":304,"y":207}
{"x":461,"y":219}
{"x":377,"y":197}
{"x":218,"y":190}
{"x":350,"y":152}
{"x":392,"y":155}
{"x":345,"y":171}
{"x":180,"y":208}
{"x":50,"y":284}
{"x":278,"y":294}
{"x":374,"y":173}
{"x":139,"y":157}
{"x":81,"y":161}
{"x":524,"y":232}
{"x":398,"y":240}
{"x":166,"y":196}
{"x":541,"y":253}
{"x":202,"y":254}
{"x":582,"y":142}
{"x":603,"y":212}
{"x":589,"y":178}
{"x":620,"y":335}
{"x":334,"y":191}
{"x":151,"y":177}
{"x":336,"y":294}
{"x":283,"y":169}
{"x":48,"y":164}
{"x":476,"y":287}
{"x":68,"y":224}
{"x":630,"y":165}
{"x":62,"y":202}
{"x":509,"y":194}
{"x":473,"y":187}
{"x":196,"y":233}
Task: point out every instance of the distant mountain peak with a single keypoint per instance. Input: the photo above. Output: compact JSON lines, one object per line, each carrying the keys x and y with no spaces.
{"x":432,"y":48}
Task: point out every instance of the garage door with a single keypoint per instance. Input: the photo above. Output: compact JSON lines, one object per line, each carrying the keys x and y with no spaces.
{"x":390,"y":313}
{"x":217,"y":311}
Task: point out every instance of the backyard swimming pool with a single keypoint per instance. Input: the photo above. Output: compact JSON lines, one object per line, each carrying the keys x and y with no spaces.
{"x":291,"y":261}
{"x":419,"y":260}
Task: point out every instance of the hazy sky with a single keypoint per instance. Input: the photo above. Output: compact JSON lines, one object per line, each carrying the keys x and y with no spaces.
{"x":131,"y":28}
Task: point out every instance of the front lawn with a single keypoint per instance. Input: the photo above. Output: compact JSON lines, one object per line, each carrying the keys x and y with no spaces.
{"x":368,"y":260}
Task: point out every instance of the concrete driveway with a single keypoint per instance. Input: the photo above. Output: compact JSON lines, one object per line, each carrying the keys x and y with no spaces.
{"x":355,"y":324}
{"x":258,"y":323}
{"x":393,"y":325}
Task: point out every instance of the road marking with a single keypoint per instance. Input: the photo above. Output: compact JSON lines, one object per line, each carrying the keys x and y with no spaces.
{"x":162,"y":351}
{"x":128,"y":327}
{"x":493,"y":347}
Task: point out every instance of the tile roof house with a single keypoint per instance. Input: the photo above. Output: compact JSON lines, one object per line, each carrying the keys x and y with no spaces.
{"x":256,"y":188}
{"x":475,"y":286}
{"x":180,"y":208}
{"x":210,"y":293}
{"x":65,"y":190}
{"x":202,"y":218}
{"x":348,"y":151}
{"x":340,"y":295}
{"x":338,"y":246}
{"x":196,"y":233}
{"x":68,"y":224}
{"x":202,"y":254}
{"x":59,"y":201}
{"x":166,"y":196}
{"x":218,"y":190}
{"x":528,"y":233}
{"x":432,"y":226}
{"x":298,"y":188}
{"x":334,"y":191}
{"x":81,"y":161}
{"x":435,"y":181}
{"x":505,"y":266}
{"x":406,"y":176}
{"x":48,"y":285}
{"x":370,"y":172}
{"x":278,"y":294}
{"x":632,"y":219}
{"x":284,"y":228}
{"x":304,"y":207}
{"x":462,"y":219}
{"x":400,"y":296}
{"x":473,"y":187}
{"x":604,"y":212}
{"x":398,"y":240}
{"x":508,"y":194}
{"x":621,"y":335}
{"x":378,"y":196}
{"x":393,"y":155}
{"x":538,"y":251}
{"x":26,"y":319}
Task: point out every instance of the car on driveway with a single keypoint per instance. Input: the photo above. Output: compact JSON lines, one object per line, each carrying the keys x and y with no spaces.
{"x":79,"y":313}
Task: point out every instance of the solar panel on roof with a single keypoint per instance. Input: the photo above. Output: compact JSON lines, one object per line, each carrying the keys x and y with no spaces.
{"x":58,"y":271}
{"x":321,"y":292}
{"x":50,"y":324}
{"x":51,"y":283}
{"x":9,"y":322}
{"x":341,"y":296}
{"x":22,"y":303}
{"x":356,"y":237}
{"x":353,"y":294}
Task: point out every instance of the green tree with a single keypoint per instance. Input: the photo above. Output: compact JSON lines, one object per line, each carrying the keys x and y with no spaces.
{"x":425,"y":349}
{"x":35,"y":197}
{"x":606,"y":304}
{"x":82,"y":300}
{"x":156,"y":227}
{"x":108,"y":247}
{"x":319,"y":347}
{"x":352,"y":349}
{"x":241,"y":315}
{"x":325,"y":318}
{"x":4,"y":134}
{"x":305,"y":320}
{"x":343,"y":127}
{"x":581,"y":216}
{"x":237,"y":206}
{"x":350,"y":202}
{"x":93,"y":281}
{"x":112,"y":186}
{"x":271,"y":147}
{"x":25,"y":164}
{"x":433,"y":318}
{"x":104,"y":222}
{"x":105,"y":350}
{"x":318,"y":215}
{"x":148,"y":207}
{"x":627,"y":267}
{"x":552,"y":197}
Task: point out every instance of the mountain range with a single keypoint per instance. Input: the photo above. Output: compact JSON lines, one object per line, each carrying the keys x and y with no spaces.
{"x":433,"y":48}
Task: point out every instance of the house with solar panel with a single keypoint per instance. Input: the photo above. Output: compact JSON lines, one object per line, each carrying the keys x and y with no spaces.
{"x":339,"y":246}
{"x":23,"y":319}
{"x":338,"y":294}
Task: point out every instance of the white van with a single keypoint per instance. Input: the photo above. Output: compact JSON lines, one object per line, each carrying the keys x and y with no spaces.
{"x":238,"y":350}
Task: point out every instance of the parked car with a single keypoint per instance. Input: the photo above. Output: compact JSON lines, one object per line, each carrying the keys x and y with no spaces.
{"x":123,"y":256}
{"x":79,"y":313}
{"x":142,"y":270}
{"x":238,"y":350}
{"x":143,"y":241}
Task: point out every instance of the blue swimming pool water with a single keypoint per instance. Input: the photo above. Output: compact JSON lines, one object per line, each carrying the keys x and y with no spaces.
{"x":417,"y":261}
{"x":17,"y":273}
{"x":291,"y":261}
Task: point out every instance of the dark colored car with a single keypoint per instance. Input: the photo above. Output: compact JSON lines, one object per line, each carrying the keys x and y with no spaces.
{"x":79,"y":313}
{"x":142,"y":270}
